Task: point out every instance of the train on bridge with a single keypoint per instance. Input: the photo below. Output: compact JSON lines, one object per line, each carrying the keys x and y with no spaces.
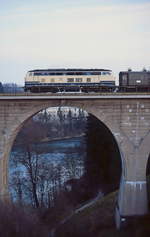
{"x":85,"y":80}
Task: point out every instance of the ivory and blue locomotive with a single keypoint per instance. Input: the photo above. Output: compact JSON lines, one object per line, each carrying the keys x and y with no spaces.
{"x":61,"y":80}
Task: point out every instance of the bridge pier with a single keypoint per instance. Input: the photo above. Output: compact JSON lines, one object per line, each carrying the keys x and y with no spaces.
{"x":132,"y":201}
{"x":5,"y":147}
{"x":3,"y":181}
{"x":132,"y":198}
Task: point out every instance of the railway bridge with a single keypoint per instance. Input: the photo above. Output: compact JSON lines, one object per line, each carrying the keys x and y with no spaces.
{"x":127,"y":116}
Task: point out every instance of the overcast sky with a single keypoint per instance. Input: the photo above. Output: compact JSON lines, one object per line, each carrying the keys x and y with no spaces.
{"x":35,"y":34}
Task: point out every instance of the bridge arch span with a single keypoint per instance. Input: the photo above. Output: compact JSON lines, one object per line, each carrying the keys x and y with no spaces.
{"x":127,"y":117}
{"x":28,"y":111}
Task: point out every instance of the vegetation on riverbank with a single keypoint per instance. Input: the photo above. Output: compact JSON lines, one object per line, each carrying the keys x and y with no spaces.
{"x":98,"y":221}
{"x":17,"y":221}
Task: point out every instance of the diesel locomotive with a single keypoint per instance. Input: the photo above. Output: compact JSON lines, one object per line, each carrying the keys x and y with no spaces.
{"x":61,"y":80}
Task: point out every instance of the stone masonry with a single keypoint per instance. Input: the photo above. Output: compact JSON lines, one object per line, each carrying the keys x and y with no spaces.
{"x":128,"y":119}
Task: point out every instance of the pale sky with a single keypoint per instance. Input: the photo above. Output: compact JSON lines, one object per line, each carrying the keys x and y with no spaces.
{"x":41,"y":34}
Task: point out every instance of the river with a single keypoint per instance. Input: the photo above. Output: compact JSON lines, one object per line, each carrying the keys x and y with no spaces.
{"x":57,"y":150}
{"x":67,"y":155}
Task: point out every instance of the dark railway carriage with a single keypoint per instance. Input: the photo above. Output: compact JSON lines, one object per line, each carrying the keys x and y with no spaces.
{"x":134,"y":80}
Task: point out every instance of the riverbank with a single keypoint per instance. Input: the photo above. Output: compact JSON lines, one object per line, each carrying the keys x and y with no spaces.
{"x":50,"y":140}
{"x":61,"y":138}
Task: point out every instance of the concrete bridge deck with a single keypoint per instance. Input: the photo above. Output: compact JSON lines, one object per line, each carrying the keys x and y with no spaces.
{"x":74,"y":96}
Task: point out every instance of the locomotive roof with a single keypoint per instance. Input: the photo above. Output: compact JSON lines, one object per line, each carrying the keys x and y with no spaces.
{"x":130,"y":71}
{"x":69,"y":69}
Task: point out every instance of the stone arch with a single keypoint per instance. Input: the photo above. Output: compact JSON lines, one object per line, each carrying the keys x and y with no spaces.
{"x":146,"y":149}
{"x":31,"y":112}
{"x":148,"y":179}
{"x":33,"y":108}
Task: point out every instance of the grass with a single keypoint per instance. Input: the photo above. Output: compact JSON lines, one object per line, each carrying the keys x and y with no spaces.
{"x":98,"y":221}
{"x":89,"y":221}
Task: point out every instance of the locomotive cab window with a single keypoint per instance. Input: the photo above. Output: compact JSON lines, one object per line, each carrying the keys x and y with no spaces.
{"x":106,"y":73}
{"x":88,"y":73}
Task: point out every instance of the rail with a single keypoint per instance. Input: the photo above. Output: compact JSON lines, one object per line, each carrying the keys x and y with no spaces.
{"x":19,"y":91}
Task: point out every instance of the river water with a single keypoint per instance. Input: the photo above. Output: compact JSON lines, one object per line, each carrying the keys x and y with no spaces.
{"x":67,"y":154}
{"x":57,"y":150}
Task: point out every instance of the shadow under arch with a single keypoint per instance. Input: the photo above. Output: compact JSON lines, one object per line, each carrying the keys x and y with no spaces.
{"x":148,"y":180}
{"x":106,"y":147}
{"x":103,"y":156}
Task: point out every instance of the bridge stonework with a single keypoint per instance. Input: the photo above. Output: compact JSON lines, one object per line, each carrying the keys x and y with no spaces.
{"x":128,"y":119}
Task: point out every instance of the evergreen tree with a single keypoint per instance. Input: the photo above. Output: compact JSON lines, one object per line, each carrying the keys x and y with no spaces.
{"x":1,"y":88}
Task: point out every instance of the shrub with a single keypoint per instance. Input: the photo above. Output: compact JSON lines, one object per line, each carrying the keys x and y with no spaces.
{"x":16,"y":221}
